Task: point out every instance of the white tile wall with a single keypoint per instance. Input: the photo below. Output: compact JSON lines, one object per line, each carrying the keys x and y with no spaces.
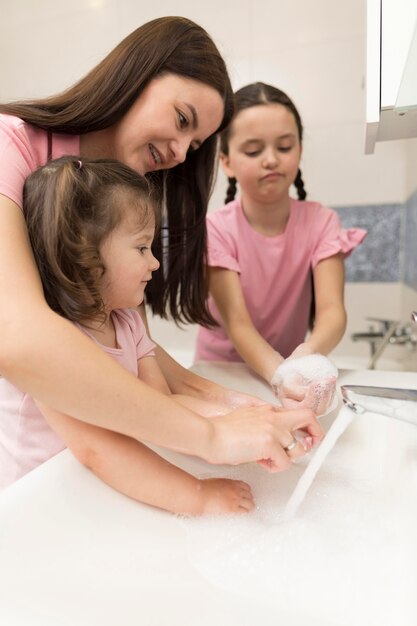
{"x":313,"y":50}
{"x":411,"y":167}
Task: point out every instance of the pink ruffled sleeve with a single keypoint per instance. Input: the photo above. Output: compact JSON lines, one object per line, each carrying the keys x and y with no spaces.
{"x":221,"y":250}
{"x":335,"y":239}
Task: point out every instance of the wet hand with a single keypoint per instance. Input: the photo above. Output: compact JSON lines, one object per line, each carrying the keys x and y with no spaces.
{"x":315,"y":395}
{"x":221,"y":495}
{"x":308,"y":381}
{"x":235,"y":399}
{"x":262,"y":434}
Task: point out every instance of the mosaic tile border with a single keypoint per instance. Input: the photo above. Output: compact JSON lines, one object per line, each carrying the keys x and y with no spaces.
{"x":410,"y":242}
{"x":377,"y":259}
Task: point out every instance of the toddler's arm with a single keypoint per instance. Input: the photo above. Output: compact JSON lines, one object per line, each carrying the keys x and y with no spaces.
{"x":202,"y":407}
{"x":184,"y":382}
{"x":150,"y":373}
{"x":135,"y":470}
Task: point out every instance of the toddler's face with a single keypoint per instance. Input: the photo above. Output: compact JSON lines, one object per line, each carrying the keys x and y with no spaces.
{"x":129,"y":262}
{"x":264,"y":152}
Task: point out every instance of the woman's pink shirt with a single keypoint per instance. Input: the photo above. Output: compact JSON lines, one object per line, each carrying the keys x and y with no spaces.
{"x":24,"y":148}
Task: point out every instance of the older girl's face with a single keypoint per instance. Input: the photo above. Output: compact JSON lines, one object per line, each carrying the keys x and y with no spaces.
{"x":264,"y":152}
{"x":172,"y":116}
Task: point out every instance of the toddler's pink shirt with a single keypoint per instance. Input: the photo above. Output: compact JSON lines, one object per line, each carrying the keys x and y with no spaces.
{"x":24,"y":148}
{"x":26,"y":439}
{"x":275,"y":272}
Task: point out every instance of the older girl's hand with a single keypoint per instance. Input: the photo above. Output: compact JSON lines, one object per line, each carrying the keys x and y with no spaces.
{"x":305,"y":381}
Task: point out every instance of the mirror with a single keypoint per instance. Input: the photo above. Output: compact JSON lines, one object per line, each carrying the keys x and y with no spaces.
{"x":407,"y":93}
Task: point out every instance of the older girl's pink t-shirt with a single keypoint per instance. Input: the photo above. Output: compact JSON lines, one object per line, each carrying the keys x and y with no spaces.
{"x":275,"y":272}
{"x":26,"y":439}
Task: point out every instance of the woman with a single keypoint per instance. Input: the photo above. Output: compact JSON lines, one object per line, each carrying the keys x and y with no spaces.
{"x":155,"y":103}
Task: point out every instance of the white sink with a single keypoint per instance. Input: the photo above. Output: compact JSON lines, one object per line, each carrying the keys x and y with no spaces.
{"x":73,"y":552}
{"x":350,"y":556}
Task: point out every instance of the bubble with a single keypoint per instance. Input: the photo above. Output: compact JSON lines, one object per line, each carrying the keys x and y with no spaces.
{"x":312,"y":367}
{"x":337,"y":560}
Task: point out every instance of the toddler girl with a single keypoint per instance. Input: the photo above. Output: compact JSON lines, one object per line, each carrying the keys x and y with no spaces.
{"x":91,"y":226}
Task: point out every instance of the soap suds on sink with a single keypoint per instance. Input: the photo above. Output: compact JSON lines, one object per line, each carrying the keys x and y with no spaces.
{"x":323,"y":564}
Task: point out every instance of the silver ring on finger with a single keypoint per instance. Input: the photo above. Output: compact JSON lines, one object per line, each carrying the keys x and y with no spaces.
{"x":291,"y":445}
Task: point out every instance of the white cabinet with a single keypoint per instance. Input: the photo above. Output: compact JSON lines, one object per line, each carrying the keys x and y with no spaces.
{"x":391,"y":87}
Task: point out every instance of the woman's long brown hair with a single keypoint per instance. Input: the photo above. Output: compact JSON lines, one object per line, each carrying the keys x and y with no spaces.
{"x":165,"y":45}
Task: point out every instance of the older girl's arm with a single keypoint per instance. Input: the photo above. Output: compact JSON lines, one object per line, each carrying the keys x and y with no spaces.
{"x":227,"y":293}
{"x":330,"y":318}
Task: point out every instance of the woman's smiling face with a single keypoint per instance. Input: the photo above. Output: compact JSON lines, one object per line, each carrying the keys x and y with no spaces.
{"x":172,"y":115}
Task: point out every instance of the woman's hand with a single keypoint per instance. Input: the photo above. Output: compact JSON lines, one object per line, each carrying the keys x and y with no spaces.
{"x":305,"y":381}
{"x":261,"y":434}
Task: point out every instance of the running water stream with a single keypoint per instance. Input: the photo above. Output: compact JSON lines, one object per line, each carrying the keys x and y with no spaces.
{"x":337,"y":429}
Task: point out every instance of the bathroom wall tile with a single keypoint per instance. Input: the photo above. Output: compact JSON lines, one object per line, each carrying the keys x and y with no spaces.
{"x":365,"y":300}
{"x":377,"y":259}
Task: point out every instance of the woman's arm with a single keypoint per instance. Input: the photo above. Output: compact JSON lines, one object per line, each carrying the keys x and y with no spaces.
{"x":227,"y":293}
{"x":330,"y":318}
{"x":57,"y":364}
{"x":53,"y":361}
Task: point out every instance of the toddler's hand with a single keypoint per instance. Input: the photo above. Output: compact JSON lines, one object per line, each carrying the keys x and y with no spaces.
{"x":235,"y":399}
{"x":308,"y":382}
{"x":221,"y":495}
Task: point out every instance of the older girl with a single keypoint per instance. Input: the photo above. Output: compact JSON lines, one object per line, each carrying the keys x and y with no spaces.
{"x":270,"y":256}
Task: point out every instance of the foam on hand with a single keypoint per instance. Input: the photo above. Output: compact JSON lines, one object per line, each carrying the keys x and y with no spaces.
{"x":311,"y":367}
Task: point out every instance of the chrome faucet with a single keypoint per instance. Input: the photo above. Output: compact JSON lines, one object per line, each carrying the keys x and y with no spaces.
{"x":389,"y":332}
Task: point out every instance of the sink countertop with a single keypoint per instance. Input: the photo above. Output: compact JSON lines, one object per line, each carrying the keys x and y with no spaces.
{"x":74,"y":552}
